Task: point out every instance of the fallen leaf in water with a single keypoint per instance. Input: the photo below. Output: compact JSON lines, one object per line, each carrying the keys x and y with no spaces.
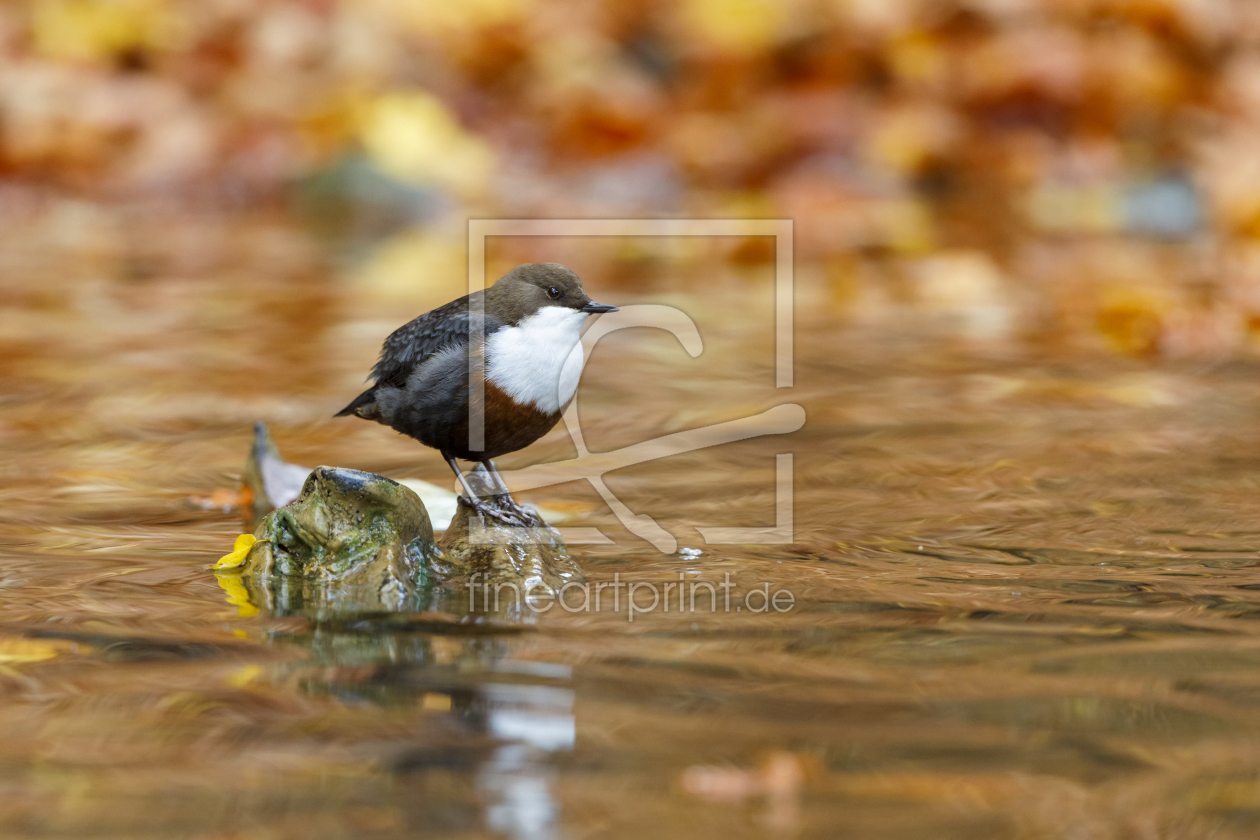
{"x":779,"y":780}
{"x":237,"y":594}
{"x":242,"y":677}
{"x":779,"y":775}
{"x":436,"y":702}
{"x":223,"y":499}
{"x":240,"y":550}
{"x":13,"y":651}
{"x":720,"y":784}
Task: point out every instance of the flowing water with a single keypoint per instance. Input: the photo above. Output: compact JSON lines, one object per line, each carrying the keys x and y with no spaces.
{"x":1025,"y":582}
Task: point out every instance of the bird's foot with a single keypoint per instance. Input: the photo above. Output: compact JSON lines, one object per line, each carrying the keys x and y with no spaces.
{"x":518,"y":509}
{"x":509,"y":514}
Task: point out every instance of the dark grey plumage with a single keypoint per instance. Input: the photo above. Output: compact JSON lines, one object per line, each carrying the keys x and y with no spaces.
{"x":417,"y":340}
{"x":421,"y":385}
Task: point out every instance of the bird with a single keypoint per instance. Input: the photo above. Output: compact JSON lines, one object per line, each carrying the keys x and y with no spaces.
{"x":530,"y":322}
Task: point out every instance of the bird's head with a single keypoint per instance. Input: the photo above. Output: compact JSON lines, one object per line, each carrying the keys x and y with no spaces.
{"x":528,"y":288}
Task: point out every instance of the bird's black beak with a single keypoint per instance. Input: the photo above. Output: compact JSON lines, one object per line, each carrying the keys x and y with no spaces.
{"x":593,"y":308}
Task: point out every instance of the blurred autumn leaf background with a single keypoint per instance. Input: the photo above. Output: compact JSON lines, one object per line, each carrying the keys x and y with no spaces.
{"x":1027,"y":253}
{"x":1077,"y":171}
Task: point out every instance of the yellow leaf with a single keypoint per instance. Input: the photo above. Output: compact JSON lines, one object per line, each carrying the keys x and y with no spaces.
{"x":742,"y":26}
{"x":436,"y":702}
{"x":415,"y":138}
{"x":446,"y":19}
{"x":240,"y":550}
{"x":244,"y":676}
{"x":26,"y":650}
{"x":237,"y":594}
{"x":94,"y":30}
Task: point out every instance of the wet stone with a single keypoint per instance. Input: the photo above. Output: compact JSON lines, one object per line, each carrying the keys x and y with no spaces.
{"x":351,"y":540}
{"x":356,"y":543}
{"x":479,"y":549}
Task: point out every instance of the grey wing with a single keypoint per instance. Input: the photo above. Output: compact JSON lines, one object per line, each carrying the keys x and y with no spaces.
{"x":415,"y":342}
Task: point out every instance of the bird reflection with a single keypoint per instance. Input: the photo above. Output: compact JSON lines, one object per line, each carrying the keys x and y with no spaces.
{"x":493,"y":718}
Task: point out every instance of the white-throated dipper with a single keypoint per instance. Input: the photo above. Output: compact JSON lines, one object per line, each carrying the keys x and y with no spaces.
{"x":531,"y":321}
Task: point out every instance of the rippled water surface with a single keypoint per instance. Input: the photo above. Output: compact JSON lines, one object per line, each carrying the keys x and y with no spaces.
{"x":1026,"y":582}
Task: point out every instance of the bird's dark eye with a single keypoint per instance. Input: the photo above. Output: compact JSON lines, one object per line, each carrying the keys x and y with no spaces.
{"x":554,"y":292}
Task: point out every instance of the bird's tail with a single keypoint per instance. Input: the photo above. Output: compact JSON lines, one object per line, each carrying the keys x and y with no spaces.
{"x":363,"y":406}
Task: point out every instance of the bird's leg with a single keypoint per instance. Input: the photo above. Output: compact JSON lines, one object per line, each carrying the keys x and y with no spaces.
{"x":505,"y":497}
{"x":498,"y":480}
{"x":463,"y":479}
{"x":480,"y":505}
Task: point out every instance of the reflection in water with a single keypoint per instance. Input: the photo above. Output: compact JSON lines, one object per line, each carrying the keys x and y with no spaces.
{"x":533,"y":720}
{"x":450,"y":657}
{"x":522,"y":804}
{"x":527,"y":717}
{"x":1026,"y":585}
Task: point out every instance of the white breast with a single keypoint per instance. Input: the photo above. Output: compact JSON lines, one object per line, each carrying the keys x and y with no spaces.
{"x":526,"y":361}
